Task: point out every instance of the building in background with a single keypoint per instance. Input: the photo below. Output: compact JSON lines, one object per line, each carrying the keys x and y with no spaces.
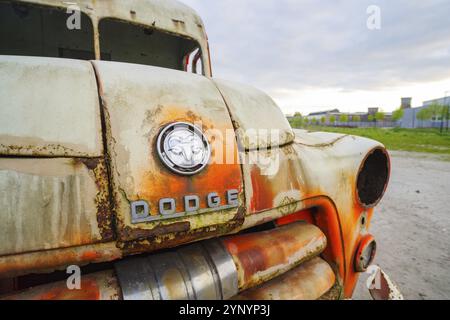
{"x":327,"y":114}
{"x":410,"y":120}
{"x":406,"y":103}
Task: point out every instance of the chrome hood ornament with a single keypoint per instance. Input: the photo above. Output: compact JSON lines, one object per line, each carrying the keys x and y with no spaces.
{"x":183,"y":148}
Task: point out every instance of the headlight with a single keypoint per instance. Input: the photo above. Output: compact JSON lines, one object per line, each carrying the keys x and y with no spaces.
{"x":365,"y":253}
{"x":373,"y":177}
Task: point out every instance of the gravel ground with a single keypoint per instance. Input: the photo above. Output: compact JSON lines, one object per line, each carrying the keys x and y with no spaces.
{"x":412,"y":227}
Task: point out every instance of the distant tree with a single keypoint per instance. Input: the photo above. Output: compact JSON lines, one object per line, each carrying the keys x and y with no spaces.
{"x":445,"y":117}
{"x":356,"y":119}
{"x":297,"y":114}
{"x":423,"y":115}
{"x":332,"y":120}
{"x":297,"y":122}
{"x":379,"y":116}
{"x":435,"y":110}
{"x":371,"y":118}
{"x":343,"y":118}
{"x":439,"y":112}
{"x":398,"y":114}
{"x":323,"y":120}
{"x":306,"y":121}
{"x":313,"y":121}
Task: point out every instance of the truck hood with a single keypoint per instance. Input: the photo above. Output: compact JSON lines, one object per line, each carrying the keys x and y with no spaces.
{"x":84,"y":139}
{"x":141,"y":101}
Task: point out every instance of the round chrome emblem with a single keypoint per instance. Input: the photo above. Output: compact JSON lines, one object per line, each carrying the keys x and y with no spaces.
{"x":183,"y":148}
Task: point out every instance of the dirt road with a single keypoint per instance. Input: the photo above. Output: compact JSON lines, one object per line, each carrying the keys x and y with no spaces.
{"x":412,"y":227}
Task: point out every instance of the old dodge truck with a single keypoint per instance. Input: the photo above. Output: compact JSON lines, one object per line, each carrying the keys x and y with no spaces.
{"x":123,"y":158}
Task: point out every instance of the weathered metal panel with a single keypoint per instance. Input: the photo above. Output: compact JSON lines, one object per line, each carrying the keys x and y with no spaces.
{"x":138,"y":102}
{"x":309,"y":281}
{"x":245,"y":104}
{"x":49,"y":107}
{"x":262,"y":256}
{"x":331,"y":169}
{"x":317,"y":139}
{"x":52,"y":203}
{"x":274,"y":179}
{"x":57,"y":259}
{"x":321,"y":171}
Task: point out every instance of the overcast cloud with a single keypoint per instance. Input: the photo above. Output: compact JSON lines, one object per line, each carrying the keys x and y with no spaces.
{"x":310,"y":54}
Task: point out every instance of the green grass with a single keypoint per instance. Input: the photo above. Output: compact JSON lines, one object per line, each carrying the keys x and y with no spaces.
{"x":415,"y":140}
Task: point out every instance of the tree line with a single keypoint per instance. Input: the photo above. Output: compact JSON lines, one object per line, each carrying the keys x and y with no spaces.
{"x":434,"y":111}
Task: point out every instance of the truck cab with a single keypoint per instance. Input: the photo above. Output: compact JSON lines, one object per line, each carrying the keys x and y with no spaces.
{"x":123,"y":158}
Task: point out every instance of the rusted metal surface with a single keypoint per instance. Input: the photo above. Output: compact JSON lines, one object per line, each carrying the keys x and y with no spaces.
{"x":244,"y":103}
{"x":332,"y":171}
{"x":98,"y":169}
{"x":97,"y":286}
{"x":167,"y":15}
{"x":57,"y":259}
{"x":163,"y":237}
{"x":213,"y":269}
{"x":318,"y":170}
{"x":50,"y":107}
{"x":365,"y":253}
{"x":262,"y":256}
{"x":334,"y":293}
{"x":382,"y":287}
{"x":303,"y":215}
{"x":309,"y":281}
{"x":138,"y":102}
{"x":317,"y":139}
{"x":52,"y":203}
{"x":275,"y":181}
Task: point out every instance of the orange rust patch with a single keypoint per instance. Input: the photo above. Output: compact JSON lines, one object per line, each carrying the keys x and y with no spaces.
{"x":58,"y":291}
{"x":265,"y":188}
{"x":215,"y":178}
{"x":304,"y":215}
{"x":308,"y":281}
{"x":89,"y":291}
{"x":327,"y":219}
{"x":263,"y":195}
{"x":260,"y":251}
{"x":49,"y":260}
{"x":90,"y":256}
{"x":218,"y":176}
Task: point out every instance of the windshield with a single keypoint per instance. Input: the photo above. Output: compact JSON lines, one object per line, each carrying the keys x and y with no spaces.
{"x":38,"y":31}
{"x":32,"y":30}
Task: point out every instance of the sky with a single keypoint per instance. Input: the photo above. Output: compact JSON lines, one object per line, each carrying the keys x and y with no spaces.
{"x":313,"y":55}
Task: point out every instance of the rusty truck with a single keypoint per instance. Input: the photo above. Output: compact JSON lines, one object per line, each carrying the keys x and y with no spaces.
{"x":123,"y":159}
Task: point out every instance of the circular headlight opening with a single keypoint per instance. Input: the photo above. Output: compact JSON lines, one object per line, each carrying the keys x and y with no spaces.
{"x":373,"y":177}
{"x":366,"y":253}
